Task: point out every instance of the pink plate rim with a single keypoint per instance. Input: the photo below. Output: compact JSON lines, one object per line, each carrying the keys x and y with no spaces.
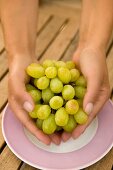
{"x":35,"y":165}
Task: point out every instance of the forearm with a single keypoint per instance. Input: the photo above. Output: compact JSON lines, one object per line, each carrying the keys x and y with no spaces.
{"x":96,"y":23}
{"x":19,"y":22}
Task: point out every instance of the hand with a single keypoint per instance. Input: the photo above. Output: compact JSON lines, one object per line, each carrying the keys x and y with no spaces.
{"x":92,"y":64}
{"x":21,"y":102}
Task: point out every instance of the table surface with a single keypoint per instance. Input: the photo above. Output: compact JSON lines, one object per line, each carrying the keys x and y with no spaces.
{"x":57,"y":38}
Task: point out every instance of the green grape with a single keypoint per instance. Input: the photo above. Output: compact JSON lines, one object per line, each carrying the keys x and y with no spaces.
{"x":35,"y":82}
{"x":64,"y":75}
{"x":58,"y":128}
{"x":80,"y":91}
{"x":47,"y":94}
{"x":72,"y":107}
{"x":49,"y":126}
{"x":61,"y":117}
{"x":43,"y":112}
{"x":39,"y":123}
{"x":35,"y":70}
{"x":71,"y":124}
{"x":56,"y":102}
{"x":30,"y":87}
{"x":80,"y":102}
{"x":68,"y":92}
{"x":33,"y":114}
{"x":35,"y":94}
{"x":81,"y":81}
{"x":42,"y":83}
{"x":74,"y":74}
{"x":59,"y":64}
{"x":81,"y":117}
{"x":56,"y":85}
{"x":70,"y":65}
{"x":51,"y":72}
{"x":48,"y":63}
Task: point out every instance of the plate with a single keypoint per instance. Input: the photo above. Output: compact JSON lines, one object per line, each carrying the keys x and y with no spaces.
{"x":89,"y":148}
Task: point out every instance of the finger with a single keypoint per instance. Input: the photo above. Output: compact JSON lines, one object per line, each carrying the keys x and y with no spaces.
{"x":103,"y":97}
{"x":66,"y":136}
{"x":56,"y":138}
{"x":93,"y":87}
{"x":23,"y":116}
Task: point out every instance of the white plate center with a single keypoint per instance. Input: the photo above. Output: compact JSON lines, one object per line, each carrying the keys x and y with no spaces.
{"x":70,"y":145}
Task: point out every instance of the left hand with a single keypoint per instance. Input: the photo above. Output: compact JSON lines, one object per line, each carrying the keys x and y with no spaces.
{"x":92,"y":64}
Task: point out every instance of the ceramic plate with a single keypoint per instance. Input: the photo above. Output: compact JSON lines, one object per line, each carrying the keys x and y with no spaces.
{"x":89,"y":148}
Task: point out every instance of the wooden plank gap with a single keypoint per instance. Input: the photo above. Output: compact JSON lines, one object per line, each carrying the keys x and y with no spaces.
{"x":54,"y":37}
{"x":109,"y":48}
{"x":2,"y":51}
{"x":4,"y":74}
{"x":44,"y":25}
{"x":3,"y":106}
{"x":2,"y":147}
{"x":67,"y":48}
{"x":20,"y":166}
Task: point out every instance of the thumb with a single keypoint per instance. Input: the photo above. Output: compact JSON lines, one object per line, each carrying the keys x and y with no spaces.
{"x":28,"y":103}
{"x":25,"y":99}
{"x":93,"y":87}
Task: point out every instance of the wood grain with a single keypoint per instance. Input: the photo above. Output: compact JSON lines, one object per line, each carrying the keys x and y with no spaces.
{"x":8,"y":161}
{"x":62,"y":41}
{"x":48,"y":34}
{"x":59,"y":10}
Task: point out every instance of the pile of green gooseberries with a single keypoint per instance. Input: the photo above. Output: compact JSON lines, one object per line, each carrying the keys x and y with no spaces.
{"x":58,"y":89}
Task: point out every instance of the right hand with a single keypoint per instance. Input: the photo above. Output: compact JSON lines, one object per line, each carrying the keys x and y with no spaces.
{"x":21,"y":102}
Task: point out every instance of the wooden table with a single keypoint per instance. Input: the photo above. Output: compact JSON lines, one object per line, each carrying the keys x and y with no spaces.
{"x":57,"y":38}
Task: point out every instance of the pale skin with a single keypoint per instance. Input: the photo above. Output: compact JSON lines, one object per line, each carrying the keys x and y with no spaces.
{"x":19,"y":28}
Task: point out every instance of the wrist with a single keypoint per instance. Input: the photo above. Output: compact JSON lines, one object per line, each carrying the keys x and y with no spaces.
{"x":19,"y":62}
{"x":99,"y":50}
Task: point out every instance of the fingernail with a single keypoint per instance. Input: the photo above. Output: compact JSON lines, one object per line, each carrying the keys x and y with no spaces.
{"x":89,"y":108}
{"x":28,"y":106}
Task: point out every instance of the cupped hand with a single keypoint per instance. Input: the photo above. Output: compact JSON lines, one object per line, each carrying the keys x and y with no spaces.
{"x":92,"y":64}
{"x":21,"y":102}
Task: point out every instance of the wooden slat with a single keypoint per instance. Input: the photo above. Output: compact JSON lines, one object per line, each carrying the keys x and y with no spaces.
{"x":3,"y":64}
{"x":58,"y":10}
{"x":1,"y":39}
{"x":68,"y":3}
{"x":8,"y":161}
{"x":72,"y":48}
{"x":27,"y":167}
{"x":43,"y":18}
{"x":3,"y":91}
{"x":110,"y":67}
{"x":62,"y":41}
{"x":48,"y":34}
{"x":2,"y":141}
